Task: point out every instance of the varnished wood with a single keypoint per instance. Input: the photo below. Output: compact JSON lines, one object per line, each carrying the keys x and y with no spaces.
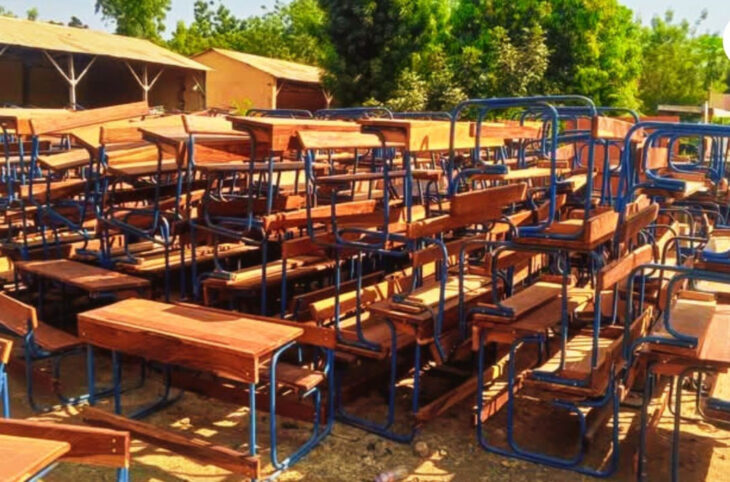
{"x":227,"y":343}
{"x":6,"y":347}
{"x":87,"y":445}
{"x":81,"y":118}
{"x":24,"y":457}
{"x":91,"y":279}
{"x":279,"y":135}
{"x":188,"y":446}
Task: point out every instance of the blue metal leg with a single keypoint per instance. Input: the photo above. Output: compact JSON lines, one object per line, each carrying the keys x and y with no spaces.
{"x":123,"y":474}
{"x":381,"y":429}
{"x":318,"y":434}
{"x":4,"y":392}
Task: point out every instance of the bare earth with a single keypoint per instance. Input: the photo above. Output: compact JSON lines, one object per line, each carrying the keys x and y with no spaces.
{"x":352,"y":455}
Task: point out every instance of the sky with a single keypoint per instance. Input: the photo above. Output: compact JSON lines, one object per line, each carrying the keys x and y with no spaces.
{"x":718,"y":11}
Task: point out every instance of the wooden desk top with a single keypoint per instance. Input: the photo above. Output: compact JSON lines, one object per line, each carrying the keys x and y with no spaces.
{"x":423,"y":135}
{"x":22,"y":457}
{"x":279,"y":134}
{"x":229,"y":344}
{"x":91,"y":279}
{"x":18,"y":119}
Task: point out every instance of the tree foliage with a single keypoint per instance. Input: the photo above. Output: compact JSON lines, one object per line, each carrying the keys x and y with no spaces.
{"x":431,"y":54}
{"x":293,"y":31}
{"x":138,"y":18}
{"x":375,"y":42}
{"x":680,"y":67}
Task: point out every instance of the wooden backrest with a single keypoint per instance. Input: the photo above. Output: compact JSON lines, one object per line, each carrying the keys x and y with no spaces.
{"x":611,"y":128}
{"x":656,"y":158}
{"x":324,"y":310}
{"x":5,"y":347}
{"x":619,"y":270}
{"x":637,"y":219}
{"x":305,"y":246}
{"x":453,"y":248}
{"x":95,"y":446}
{"x":82,"y":118}
{"x":15,"y":315}
{"x":565,"y":152}
{"x":473,"y":207}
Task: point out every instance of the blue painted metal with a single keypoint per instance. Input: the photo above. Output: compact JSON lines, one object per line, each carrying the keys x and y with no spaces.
{"x":353,"y":113}
{"x":281,"y":113}
{"x":4,"y":392}
{"x":318,"y":432}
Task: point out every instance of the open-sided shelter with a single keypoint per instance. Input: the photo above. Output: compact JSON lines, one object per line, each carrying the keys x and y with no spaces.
{"x":47,"y":65}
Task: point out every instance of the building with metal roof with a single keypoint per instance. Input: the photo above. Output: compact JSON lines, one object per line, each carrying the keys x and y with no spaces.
{"x":242,"y":81}
{"x":47,"y":65}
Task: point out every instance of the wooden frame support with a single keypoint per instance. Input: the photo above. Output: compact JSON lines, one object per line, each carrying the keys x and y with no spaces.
{"x":70,"y":77}
{"x":144,"y":80}
{"x":4,"y":49}
{"x":183,"y":444}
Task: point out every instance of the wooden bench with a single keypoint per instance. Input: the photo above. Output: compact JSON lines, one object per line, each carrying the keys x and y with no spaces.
{"x":29,"y":447}
{"x":374,"y":329}
{"x":21,"y":319}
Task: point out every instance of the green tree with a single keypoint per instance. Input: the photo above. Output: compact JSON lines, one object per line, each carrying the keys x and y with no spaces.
{"x":76,"y":22}
{"x":680,"y":67}
{"x":375,"y":41}
{"x":4,"y":12}
{"x":499,"y":47}
{"x":138,"y":18}
{"x":595,"y":50}
{"x":32,"y":14}
{"x":293,"y":31}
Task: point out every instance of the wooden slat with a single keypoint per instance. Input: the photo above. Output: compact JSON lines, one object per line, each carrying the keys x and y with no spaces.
{"x":185,"y":445}
{"x":24,"y":457}
{"x":15,"y":315}
{"x":6,"y":347}
{"x":82,"y":118}
{"x":619,"y":270}
{"x":88,"y":445}
{"x":610,"y":128}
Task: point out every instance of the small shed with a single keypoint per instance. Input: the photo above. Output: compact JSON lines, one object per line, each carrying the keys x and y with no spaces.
{"x":243,"y":81}
{"x":47,"y":65}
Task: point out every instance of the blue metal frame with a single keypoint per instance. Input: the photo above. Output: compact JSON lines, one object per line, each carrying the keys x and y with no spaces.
{"x":4,"y":391}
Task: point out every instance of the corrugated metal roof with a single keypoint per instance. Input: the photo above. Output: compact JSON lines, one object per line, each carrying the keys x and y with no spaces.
{"x":281,"y":69}
{"x":42,"y":35}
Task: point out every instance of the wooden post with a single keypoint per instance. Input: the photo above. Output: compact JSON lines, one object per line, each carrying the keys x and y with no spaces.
{"x":144,"y":81}
{"x":71,"y":84}
{"x":327,"y":97}
{"x":71,"y":76}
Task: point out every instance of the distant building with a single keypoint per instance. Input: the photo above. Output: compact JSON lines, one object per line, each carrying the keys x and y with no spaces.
{"x":241,"y":80}
{"x":46,"y":65}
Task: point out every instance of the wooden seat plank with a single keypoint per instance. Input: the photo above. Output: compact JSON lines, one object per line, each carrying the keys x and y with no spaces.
{"x":691,"y":317}
{"x":62,"y":161}
{"x":295,"y":376}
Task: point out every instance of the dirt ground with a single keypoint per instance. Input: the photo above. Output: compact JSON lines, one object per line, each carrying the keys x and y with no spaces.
{"x":349,"y":454}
